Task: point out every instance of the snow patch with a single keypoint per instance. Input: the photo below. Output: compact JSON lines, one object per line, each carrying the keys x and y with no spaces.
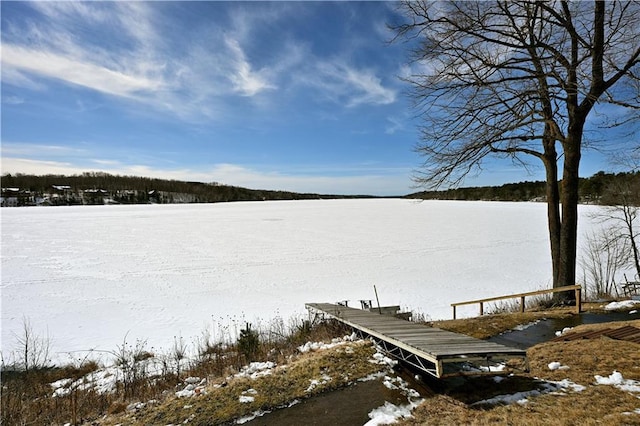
{"x":616,"y":379}
{"x":256,"y":369}
{"x":318,"y":382}
{"x":563,"y":331}
{"x":389,"y":413}
{"x":382,"y":359}
{"x":555,"y":365}
{"x":622,"y":305}
{"x":522,"y":398}
{"x":101,"y":381}
{"x":244,"y":399}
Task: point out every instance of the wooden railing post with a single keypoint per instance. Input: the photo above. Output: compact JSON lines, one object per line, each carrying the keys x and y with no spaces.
{"x":522,"y":296}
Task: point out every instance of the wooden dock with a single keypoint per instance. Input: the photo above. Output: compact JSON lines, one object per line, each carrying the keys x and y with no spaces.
{"x":437,"y":352}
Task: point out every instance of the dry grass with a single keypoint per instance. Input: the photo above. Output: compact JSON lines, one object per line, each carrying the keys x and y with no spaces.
{"x":30,"y":402}
{"x":597,"y":405}
{"x":491,"y":325}
{"x":486,"y":326}
{"x":27,"y":397}
{"x":343,"y":364}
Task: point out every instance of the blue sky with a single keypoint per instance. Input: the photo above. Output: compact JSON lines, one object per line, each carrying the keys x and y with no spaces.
{"x":299,"y":96}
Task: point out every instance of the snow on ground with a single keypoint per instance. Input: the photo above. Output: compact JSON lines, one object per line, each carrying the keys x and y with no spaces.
{"x":616,"y":379}
{"x":622,"y":305}
{"x":522,"y":398}
{"x":389,"y":413}
{"x":87,"y":276}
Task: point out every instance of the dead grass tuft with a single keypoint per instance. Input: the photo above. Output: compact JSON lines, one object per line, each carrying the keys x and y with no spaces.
{"x":329,"y":369}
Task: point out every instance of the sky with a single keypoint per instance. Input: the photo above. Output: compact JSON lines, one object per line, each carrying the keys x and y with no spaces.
{"x":297,"y":96}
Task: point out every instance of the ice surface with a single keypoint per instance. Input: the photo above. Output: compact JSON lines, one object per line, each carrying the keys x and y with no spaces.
{"x":90,"y":275}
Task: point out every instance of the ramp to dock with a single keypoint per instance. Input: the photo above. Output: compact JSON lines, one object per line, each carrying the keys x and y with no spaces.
{"x":437,"y":352}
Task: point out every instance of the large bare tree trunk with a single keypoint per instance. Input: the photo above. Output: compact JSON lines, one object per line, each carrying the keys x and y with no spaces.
{"x":553,"y":208}
{"x":569,"y":229}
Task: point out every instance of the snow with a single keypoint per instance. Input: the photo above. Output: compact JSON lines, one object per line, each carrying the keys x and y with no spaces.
{"x":244,"y":399}
{"x":555,"y":365}
{"x":522,"y":398}
{"x":563,"y":331}
{"x":616,"y":379}
{"x":87,"y":276}
{"x":389,"y":413}
{"x":622,"y":305}
{"x":256,"y":369}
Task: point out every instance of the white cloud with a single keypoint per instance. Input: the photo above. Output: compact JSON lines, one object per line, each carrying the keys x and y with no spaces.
{"x":329,"y":183}
{"x":72,"y":70}
{"x":342,"y":83}
{"x":368,"y":88}
{"x":36,"y":167}
{"x":26,"y":149}
{"x":245,"y":81}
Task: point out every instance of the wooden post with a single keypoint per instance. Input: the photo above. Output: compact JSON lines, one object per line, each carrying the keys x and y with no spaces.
{"x":578,"y":300}
{"x":522,"y":304}
{"x":481,"y":309}
{"x":377,"y":300}
{"x":454,"y":311}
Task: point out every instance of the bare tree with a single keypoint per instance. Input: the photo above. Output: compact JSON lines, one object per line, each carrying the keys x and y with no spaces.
{"x":603,"y":255}
{"x":519,"y":80}
{"x":621,"y":214}
{"x":33,"y":349}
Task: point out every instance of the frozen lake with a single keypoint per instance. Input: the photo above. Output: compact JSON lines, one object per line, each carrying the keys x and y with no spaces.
{"x":87,"y":276}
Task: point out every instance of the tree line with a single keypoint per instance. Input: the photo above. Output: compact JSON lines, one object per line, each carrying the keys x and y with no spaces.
{"x":95,"y":187}
{"x":601,"y":188}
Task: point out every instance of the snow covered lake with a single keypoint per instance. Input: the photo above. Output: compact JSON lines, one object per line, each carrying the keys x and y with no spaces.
{"x":88,"y":276}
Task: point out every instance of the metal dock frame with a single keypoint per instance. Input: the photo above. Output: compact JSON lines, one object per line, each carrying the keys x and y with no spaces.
{"x":436,"y":352}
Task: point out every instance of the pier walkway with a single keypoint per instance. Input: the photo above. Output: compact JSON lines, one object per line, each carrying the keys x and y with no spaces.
{"x":436,"y":352}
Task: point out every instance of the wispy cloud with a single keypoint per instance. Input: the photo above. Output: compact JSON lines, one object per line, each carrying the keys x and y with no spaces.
{"x":141,"y":64}
{"x":75,"y":71}
{"x":31,"y":149}
{"x":342,"y":83}
{"x":12,"y":100}
{"x":245,"y":80}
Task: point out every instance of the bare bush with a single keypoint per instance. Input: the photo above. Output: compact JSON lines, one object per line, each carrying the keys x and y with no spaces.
{"x":32,"y":350}
{"x":603,"y":255}
{"x":132,"y":360}
{"x":178,"y":353}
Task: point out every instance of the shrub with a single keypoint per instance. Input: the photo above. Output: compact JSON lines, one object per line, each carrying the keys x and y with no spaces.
{"x":249,"y":343}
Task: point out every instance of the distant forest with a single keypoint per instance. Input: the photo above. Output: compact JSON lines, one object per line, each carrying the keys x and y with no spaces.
{"x":601,"y":188}
{"x":102,"y":188}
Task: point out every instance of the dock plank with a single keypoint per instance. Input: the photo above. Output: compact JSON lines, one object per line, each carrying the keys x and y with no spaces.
{"x":429,"y":343}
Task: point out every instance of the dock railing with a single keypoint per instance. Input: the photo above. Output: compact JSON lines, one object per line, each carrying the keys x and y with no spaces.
{"x":577,"y":288}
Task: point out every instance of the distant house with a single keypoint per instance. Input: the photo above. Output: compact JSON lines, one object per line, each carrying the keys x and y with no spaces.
{"x":94,"y":196}
{"x":15,"y":197}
